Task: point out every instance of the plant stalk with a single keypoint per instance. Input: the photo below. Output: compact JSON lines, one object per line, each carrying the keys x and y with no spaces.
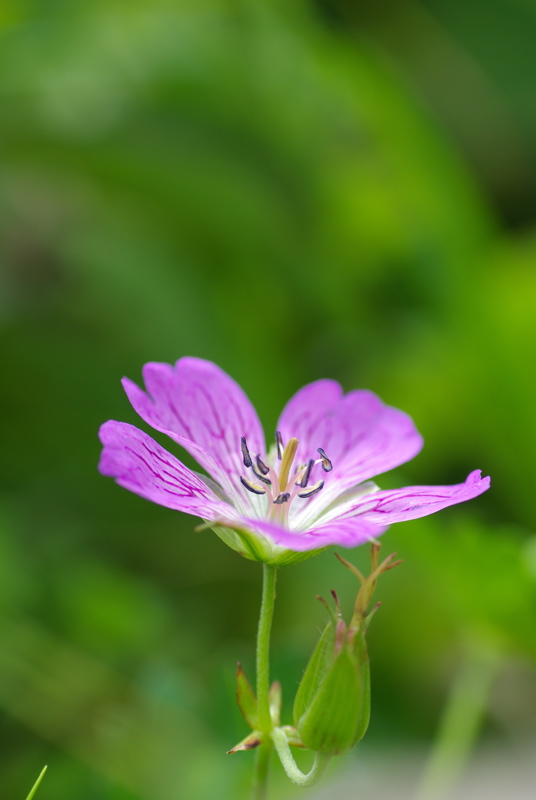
{"x":291,"y":768}
{"x":264,"y":751}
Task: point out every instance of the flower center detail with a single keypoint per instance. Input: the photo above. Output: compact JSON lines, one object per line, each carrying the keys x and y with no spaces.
{"x":280,"y":487}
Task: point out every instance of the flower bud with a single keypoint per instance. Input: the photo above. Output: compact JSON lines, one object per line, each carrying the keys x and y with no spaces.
{"x":332,"y":706}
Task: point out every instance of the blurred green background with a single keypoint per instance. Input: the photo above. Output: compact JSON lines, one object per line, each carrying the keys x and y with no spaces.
{"x":294,"y":190}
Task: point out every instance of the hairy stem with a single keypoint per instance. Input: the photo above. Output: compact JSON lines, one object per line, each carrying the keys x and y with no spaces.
{"x":289,"y":765}
{"x":262,"y":769}
{"x":264,"y":751}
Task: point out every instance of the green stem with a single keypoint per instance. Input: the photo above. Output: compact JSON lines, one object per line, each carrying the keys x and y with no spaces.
{"x":262,"y":769}
{"x":289,"y":765}
{"x":459,"y":724}
{"x":36,"y":784}
{"x":263,"y":681}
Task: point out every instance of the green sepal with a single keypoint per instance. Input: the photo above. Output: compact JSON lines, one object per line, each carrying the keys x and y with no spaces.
{"x":255,"y":547}
{"x":245,"y":697}
{"x":329,"y":725}
{"x":231,"y":538}
{"x":315,"y":671}
{"x":252,"y":740}
{"x":332,"y":704}
{"x":287,"y":557}
{"x":360,"y":650}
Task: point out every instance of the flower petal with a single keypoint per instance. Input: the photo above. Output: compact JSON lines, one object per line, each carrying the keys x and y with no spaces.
{"x":139,"y":464}
{"x":199,"y":406}
{"x":305,"y":413}
{"x":346,"y":532}
{"x":361,"y":435}
{"x":397,"y":505}
{"x":372,"y":515}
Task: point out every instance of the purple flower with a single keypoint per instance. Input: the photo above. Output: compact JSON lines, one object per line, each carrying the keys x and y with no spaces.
{"x":312,"y":488}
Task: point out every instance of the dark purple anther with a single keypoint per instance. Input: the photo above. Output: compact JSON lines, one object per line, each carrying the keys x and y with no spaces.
{"x":327,"y":466}
{"x":284,"y":497}
{"x":279,"y":445}
{"x":305,"y":480}
{"x":245,"y":452}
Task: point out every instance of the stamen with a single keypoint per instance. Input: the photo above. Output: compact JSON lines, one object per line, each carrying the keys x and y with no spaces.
{"x":246,"y":458}
{"x":286,"y":462}
{"x":279,"y":445}
{"x":261,"y":477}
{"x":255,"y":488}
{"x":284,"y":497}
{"x":305,"y":479}
{"x":261,"y":466}
{"x":312,"y":490}
{"x":327,"y":466}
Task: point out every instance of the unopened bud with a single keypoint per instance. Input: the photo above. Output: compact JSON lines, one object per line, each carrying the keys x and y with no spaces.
{"x":332,"y":706}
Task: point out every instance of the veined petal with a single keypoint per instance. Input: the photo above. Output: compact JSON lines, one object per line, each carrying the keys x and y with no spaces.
{"x":199,"y":406}
{"x":344,"y":532}
{"x":346,"y":501}
{"x":304,"y":414}
{"x":140,"y":464}
{"x":397,"y":505}
{"x":363,"y":438}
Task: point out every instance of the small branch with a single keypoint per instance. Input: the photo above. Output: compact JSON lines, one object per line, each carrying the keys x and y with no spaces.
{"x":289,"y":765}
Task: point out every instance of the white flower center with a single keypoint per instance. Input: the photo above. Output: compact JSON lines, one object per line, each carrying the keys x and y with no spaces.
{"x":280,"y":487}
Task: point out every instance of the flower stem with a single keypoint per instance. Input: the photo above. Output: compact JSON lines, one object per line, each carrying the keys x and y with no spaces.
{"x":289,"y":765}
{"x":459,"y":724}
{"x":263,"y":681}
{"x":262,"y":769}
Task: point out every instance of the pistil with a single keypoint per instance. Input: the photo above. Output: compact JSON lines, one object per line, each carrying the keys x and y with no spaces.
{"x":286,"y":462}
